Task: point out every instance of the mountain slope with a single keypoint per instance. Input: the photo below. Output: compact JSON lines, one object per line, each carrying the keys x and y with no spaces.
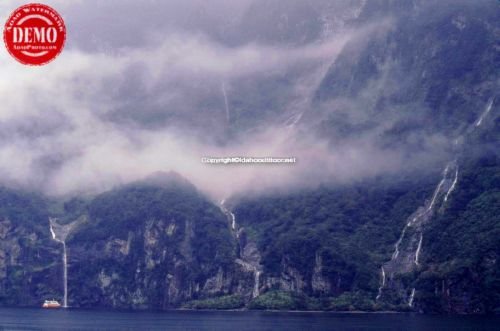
{"x":151,"y":244}
{"x":29,"y":260}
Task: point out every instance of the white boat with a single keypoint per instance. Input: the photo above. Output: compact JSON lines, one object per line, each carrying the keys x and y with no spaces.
{"x":51,"y":304}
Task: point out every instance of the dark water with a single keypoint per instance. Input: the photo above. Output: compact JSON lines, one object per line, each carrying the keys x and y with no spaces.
{"x":39,"y":319}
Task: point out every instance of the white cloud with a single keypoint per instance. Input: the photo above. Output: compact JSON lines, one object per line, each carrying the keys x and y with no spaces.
{"x":77,"y":148}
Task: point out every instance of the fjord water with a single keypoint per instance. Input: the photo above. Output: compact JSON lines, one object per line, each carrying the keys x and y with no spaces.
{"x":71,"y":319}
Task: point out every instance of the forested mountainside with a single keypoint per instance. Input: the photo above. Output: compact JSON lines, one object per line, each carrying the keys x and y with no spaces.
{"x":419,"y":80}
{"x":160,"y":246}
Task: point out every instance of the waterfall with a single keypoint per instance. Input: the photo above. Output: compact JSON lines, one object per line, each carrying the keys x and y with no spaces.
{"x":52,"y":232}
{"x":293,"y":120}
{"x":233,"y":222}
{"x":489,"y":106}
{"x":406,"y":256}
{"x":401,"y":237}
{"x":248,"y":263}
{"x":438,"y":189}
{"x":382,"y":285}
{"x":256,"y":285}
{"x":412,"y":297}
{"x":417,"y":253}
{"x":230,"y":215}
{"x":452,"y":187}
{"x":65,"y":263}
{"x":226,"y":103}
{"x":65,"y":275}
{"x":396,"y":246}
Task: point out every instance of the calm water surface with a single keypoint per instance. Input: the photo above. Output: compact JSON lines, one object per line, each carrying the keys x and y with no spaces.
{"x":72,"y":319}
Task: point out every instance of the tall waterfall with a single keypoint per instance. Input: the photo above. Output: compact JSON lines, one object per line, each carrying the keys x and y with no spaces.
{"x":407,"y":249}
{"x":256,"y":286}
{"x":247,"y":261}
{"x":412,"y":298}
{"x":419,"y":247}
{"x":65,"y":275}
{"x":61,"y":240}
{"x":382,"y":283}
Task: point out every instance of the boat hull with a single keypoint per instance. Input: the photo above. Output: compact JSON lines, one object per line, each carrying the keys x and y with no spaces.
{"x":51,"y":305}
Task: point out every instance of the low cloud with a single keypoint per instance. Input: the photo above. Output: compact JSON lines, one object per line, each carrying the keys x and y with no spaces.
{"x":101,"y":116}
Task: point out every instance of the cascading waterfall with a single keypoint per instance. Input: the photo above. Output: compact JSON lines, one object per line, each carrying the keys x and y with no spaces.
{"x":419,"y":247}
{"x":489,"y":106}
{"x":230,"y":215}
{"x":65,"y":263}
{"x":254,"y":267}
{"x":404,"y":261}
{"x":396,"y":246}
{"x":401,"y":237}
{"x":452,"y":187}
{"x":382,"y":273}
{"x":401,"y":262}
{"x":233,"y":222}
{"x":438,"y":189}
{"x":412,"y":298}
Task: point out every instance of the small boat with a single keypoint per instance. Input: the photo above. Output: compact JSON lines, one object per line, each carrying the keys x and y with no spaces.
{"x":51,"y":304}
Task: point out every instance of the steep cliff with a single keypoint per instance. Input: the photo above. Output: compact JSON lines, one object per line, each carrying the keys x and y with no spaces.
{"x":30,"y":263}
{"x":155,"y":244}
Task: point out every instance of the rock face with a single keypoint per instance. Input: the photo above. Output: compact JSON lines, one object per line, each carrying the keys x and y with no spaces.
{"x":172,"y":246}
{"x":158,"y":246}
{"x":155,"y":244}
{"x":406,"y":257}
{"x":427,"y":246}
{"x":29,"y":260}
{"x":319,"y":283}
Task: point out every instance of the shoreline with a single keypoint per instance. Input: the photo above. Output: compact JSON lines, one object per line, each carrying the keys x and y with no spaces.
{"x":210,"y":310}
{"x":156,"y":311}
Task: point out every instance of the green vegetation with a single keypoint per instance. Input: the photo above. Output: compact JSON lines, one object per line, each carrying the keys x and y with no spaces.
{"x":147,"y":234}
{"x":23,"y":208}
{"x":353,"y":229}
{"x":225,"y":302}
{"x":118,"y":212}
{"x":351,"y":301}
{"x":280,"y":300}
{"x":28,"y":264}
{"x":462,"y":273}
{"x":283,"y":300}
